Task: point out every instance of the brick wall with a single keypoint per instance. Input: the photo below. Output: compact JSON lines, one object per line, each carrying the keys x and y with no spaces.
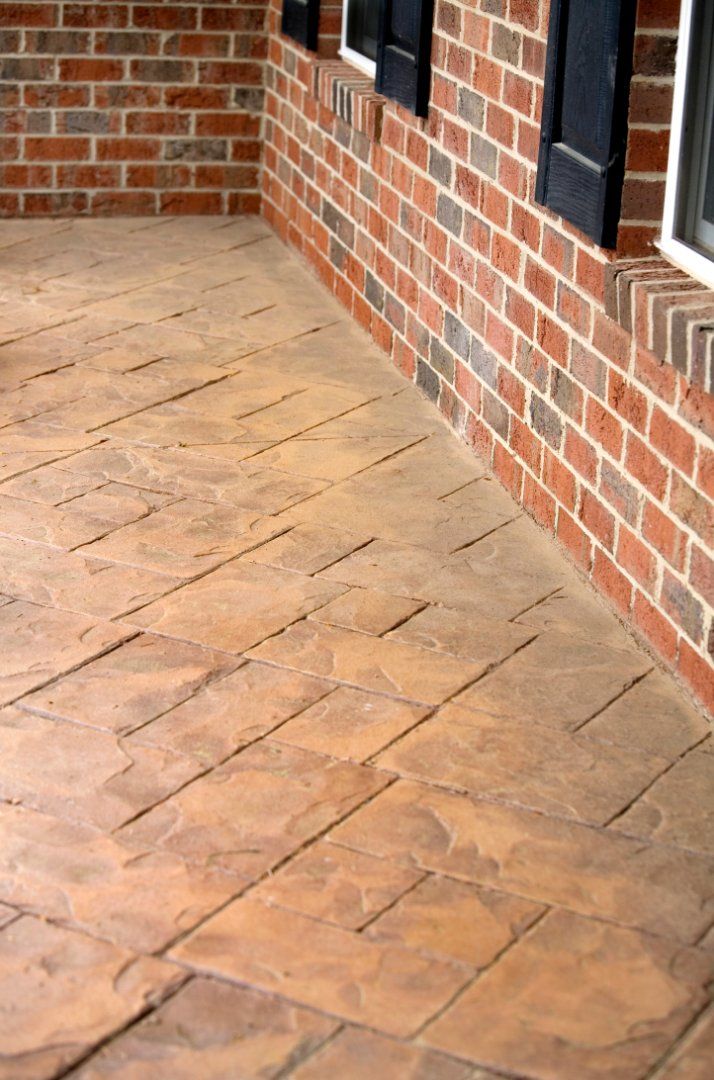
{"x":132,"y":108}
{"x":428,"y":233}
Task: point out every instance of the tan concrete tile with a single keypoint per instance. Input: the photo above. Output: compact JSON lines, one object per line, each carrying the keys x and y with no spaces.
{"x":577,"y":998}
{"x":235,"y":607}
{"x":161,"y":341}
{"x":363,"y":1055}
{"x":302,"y":411}
{"x":455,"y":921}
{"x":212,"y":1030}
{"x":80,"y":774}
{"x":185,"y":538}
{"x":26,"y":445}
{"x":69,"y":580}
{"x":331,"y":458}
{"x":322,"y":966}
{"x":307,"y":548}
{"x":693,"y":1059}
{"x":39,"y":644}
{"x":241,"y":394}
{"x":351,"y":724}
{"x":47,"y":351}
{"x":196,"y":476}
{"x":49,"y":486}
{"x":368,"y":662}
{"x":336,"y":355}
{"x":336,"y":885}
{"x":149,"y":304}
{"x":366,"y":505}
{"x":678,"y":808}
{"x":557,"y":680}
{"x":472,"y":637}
{"x":63,"y":992}
{"x":70,"y":873}
{"x":56,"y":526}
{"x":120,"y":503}
{"x":131,"y":685}
{"x":524,"y":763}
{"x":233,"y":711}
{"x":367,"y":610}
{"x":7,"y":914}
{"x":171,"y":426}
{"x":654,"y":716}
{"x":648,"y":886}
{"x":580,"y":612}
{"x":438,"y":578}
{"x":116,"y":360}
{"x":260,"y":806}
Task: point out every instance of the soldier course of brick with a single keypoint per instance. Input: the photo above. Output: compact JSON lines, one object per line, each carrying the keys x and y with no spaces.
{"x":582,"y":376}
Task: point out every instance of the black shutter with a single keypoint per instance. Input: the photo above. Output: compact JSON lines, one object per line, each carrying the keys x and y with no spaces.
{"x":300,"y":19}
{"x":404,"y":52}
{"x":584,"y":127}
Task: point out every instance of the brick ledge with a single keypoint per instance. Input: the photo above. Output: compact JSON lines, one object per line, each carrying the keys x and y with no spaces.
{"x":345,"y":91}
{"x":668,"y":312}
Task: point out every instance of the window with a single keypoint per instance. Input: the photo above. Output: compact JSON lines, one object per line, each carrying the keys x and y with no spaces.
{"x":360,"y":31}
{"x":390,"y":40}
{"x":688,"y":227}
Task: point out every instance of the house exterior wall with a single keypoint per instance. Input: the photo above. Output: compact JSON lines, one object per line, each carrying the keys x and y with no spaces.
{"x":130,"y":108}
{"x":575,"y":372}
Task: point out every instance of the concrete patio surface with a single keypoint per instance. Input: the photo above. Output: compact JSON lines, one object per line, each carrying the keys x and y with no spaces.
{"x":317,"y":758}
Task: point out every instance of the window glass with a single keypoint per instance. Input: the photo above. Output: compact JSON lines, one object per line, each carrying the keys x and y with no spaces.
{"x":362,"y":27}
{"x":696,"y":189}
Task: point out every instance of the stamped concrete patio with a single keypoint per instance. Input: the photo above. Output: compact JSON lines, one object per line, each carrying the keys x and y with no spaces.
{"x":317,"y":758}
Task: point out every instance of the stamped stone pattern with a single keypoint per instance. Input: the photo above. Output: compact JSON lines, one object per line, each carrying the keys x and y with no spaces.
{"x":317,"y":758}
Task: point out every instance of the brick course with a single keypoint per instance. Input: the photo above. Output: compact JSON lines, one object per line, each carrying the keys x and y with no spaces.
{"x":82,"y":85}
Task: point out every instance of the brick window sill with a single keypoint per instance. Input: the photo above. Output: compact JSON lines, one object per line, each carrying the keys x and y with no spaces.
{"x":349,"y":94}
{"x":668,"y":312}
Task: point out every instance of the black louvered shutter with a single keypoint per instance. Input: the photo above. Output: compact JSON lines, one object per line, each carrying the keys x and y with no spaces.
{"x":584,"y":127}
{"x":404,"y":52}
{"x":300,"y":20}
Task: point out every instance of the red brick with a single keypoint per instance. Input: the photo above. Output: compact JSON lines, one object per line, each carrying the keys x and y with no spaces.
{"x":604,"y":427}
{"x":597,"y":519}
{"x":663,"y":534}
{"x":655,"y":627}
{"x":56,"y":149}
{"x":637,"y":559}
{"x":645,"y":466}
{"x":612,"y":582}
{"x":698,"y":673}
{"x":672,"y":440}
{"x":575,"y":540}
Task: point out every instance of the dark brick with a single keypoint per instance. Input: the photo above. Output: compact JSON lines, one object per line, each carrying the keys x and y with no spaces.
{"x":619,"y":493}
{"x":484,"y":363}
{"x":195,"y":150}
{"x":458,"y":336}
{"x":495,"y":414}
{"x":546,"y":421}
{"x":471,"y":107}
{"x":449,"y":214}
{"x":374,"y":292}
{"x":683,"y":607}
{"x":427,"y":380}
{"x":337,"y":223}
{"x":441,"y":359}
{"x":439,"y":166}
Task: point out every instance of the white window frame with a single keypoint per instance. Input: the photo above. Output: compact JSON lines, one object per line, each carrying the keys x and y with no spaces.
{"x":369,"y":67}
{"x":688,"y":258}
